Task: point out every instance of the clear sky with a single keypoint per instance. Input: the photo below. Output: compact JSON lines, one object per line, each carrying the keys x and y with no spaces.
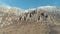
{"x":25,"y":4}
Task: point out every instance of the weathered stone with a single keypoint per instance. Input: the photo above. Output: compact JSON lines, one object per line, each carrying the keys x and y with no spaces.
{"x":36,"y":21}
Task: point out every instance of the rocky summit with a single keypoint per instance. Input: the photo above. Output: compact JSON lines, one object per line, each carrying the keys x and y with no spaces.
{"x":41,"y":20}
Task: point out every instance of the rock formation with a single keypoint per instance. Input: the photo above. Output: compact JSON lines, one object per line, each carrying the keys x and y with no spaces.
{"x":42,"y":20}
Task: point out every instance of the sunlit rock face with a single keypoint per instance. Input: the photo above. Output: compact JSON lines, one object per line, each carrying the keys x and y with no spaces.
{"x":41,"y":20}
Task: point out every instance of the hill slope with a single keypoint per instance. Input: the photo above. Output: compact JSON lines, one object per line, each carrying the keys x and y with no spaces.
{"x":43,"y":20}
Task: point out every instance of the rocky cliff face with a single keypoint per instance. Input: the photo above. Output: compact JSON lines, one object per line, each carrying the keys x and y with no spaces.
{"x":42,"y":20}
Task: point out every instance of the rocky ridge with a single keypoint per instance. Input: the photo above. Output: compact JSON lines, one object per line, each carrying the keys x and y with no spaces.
{"x":41,"y":20}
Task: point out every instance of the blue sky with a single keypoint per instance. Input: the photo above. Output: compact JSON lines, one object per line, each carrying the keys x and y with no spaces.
{"x":25,"y":4}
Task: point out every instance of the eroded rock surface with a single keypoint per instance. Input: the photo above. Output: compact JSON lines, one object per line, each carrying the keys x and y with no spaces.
{"x":38,"y":21}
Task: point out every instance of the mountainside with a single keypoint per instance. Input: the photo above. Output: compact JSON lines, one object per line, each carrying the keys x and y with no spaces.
{"x":41,"y":20}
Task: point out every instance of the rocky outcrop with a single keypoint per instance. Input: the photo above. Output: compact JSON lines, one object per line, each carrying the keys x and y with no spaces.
{"x":36,"y":21}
